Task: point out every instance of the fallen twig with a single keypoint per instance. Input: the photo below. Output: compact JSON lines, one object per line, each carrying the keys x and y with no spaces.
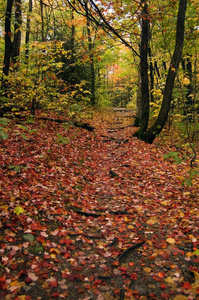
{"x":130,"y":249}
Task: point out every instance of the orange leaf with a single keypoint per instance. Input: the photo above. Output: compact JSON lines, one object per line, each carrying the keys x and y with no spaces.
{"x":161,"y":274}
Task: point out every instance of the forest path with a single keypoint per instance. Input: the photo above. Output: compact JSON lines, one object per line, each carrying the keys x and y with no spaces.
{"x":95,"y":215}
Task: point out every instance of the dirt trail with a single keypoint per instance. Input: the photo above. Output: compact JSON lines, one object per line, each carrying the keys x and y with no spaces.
{"x":106,"y":217}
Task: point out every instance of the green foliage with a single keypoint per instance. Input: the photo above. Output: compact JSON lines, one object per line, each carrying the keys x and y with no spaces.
{"x":17,"y":168}
{"x":4,"y":121}
{"x":3,"y":132}
{"x":196,"y":252}
{"x":193,"y":173}
{"x":37,"y":84}
{"x":62,"y":139}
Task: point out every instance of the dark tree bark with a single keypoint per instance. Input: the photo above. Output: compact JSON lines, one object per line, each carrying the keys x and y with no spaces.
{"x":17,"y":32}
{"x":8,"y":45}
{"x":157,"y":127}
{"x":151,"y":77}
{"x":138,"y":101}
{"x":144,"y":72}
{"x":28,"y":30}
{"x":91,"y":56}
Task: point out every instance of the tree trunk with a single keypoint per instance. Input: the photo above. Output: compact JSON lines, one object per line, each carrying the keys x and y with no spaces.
{"x":187,"y":68}
{"x":8,"y":45}
{"x":17,"y":32}
{"x":42,"y":20}
{"x":157,"y":127}
{"x":138,"y":101}
{"x":92,"y":69}
{"x":144,"y":72}
{"x":151,"y":77}
{"x":28,"y":30}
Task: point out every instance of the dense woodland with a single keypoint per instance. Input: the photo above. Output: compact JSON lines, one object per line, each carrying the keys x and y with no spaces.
{"x":67,"y":56}
{"x":99,"y":141}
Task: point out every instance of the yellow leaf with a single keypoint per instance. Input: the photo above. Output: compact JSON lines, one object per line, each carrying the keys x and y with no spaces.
{"x":186,"y":81}
{"x":180,"y":297}
{"x":126,"y":219}
{"x":196,"y":274}
{"x":19,"y":210}
{"x":150,"y":243}
{"x":170,"y":241}
{"x":130,"y":227}
{"x":55,"y":250}
{"x":147,"y":270}
{"x":5,"y":207}
{"x":169,"y":280}
{"x":189,"y":254}
{"x":152,"y":220}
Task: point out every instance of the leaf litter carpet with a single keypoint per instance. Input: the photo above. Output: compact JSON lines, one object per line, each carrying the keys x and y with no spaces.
{"x":95,"y":215}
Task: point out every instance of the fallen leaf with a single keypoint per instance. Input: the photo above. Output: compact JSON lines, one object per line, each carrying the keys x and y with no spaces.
{"x":147,"y":270}
{"x":19,"y":210}
{"x":170,"y":241}
{"x":169,"y":279}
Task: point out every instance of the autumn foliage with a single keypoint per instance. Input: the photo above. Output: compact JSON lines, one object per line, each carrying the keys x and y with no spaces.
{"x":94,"y":215}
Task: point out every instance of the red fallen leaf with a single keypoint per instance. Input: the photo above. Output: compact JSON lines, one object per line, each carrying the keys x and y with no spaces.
{"x":131,"y":264}
{"x":165,"y":296}
{"x":134,"y":276}
{"x":28,"y":280}
{"x":65,"y":241}
{"x":91,"y":278}
{"x":122,"y":269}
{"x":187,"y":286}
{"x":157,"y":278}
{"x":3,"y":286}
{"x":37,"y":226}
{"x":153,"y":296}
{"x":163,"y":286}
{"x":116,"y":291}
{"x":55,"y":295}
{"x":53,"y":283}
{"x":67,"y":255}
{"x":40,"y":239}
{"x":14,"y":266}
{"x":2,"y":279}
{"x":97,"y":281}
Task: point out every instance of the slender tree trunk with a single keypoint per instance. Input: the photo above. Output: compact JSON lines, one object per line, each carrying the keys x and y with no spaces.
{"x":17,"y":32}
{"x":92,"y":69}
{"x":28,"y":30}
{"x":8,"y":45}
{"x":138,"y":100}
{"x":187,"y":68}
{"x":72,"y":78}
{"x":151,"y":77}
{"x":144,"y":72}
{"x":42,"y":20}
{"x":157,"y":127}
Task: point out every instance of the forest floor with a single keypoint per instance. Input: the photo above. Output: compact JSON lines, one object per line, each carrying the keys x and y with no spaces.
{"x":95,"y":215}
